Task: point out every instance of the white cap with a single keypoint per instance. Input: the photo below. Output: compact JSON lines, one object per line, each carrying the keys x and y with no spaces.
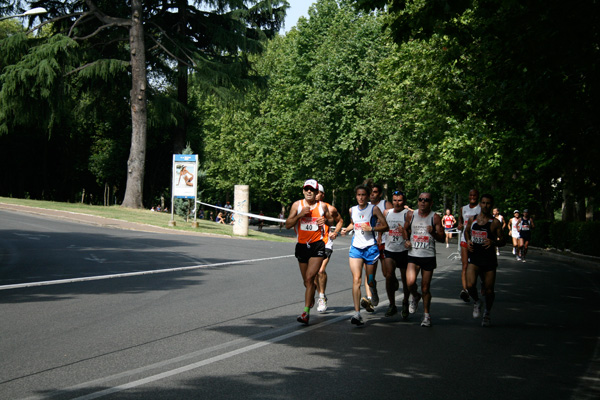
{"x":311,"y":183}
{"x":321,"y":188}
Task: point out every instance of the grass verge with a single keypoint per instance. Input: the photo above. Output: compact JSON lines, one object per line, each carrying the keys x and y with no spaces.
{"x":143,"y":217}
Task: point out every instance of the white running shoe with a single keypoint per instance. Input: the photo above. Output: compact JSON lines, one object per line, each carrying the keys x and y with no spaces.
{"x":413,"y":304}
{"x":426,"y":321}
{"x":519,"y":258}
{"x":514,"y":251}
{"x":322,"y":304}
{"x":476,"y":309}
{"x":356,"y":320}
{"x":486,"y":321}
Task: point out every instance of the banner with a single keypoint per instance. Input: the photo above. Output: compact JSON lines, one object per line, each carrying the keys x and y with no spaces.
{"x":185,"y":176}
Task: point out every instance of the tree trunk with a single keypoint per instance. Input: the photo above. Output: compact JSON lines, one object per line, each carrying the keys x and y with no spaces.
{"x":137,"y":153}
{"x":589,"y":211}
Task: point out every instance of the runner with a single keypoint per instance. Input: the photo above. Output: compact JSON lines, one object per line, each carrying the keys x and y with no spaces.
{"x":499,"y":217}
{"x":421,"y":229}
{"x":365,"y":219}
{"x":395,"y":254}
{"x":370,"y":301}
{"x":483,"y":234}
{"x":514,"y":228}
{"x":525,"y":234}
{"x":308,"y":217}
{"x":466,"y":212}
{"x":448,"y":222}
{"x":330,"y":235}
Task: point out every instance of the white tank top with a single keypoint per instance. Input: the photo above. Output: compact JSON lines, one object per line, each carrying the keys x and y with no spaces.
{"x":422,"y":243}
{"x":395,"y":240}
{"x":468,"y":212}
{"x":360,"y":218}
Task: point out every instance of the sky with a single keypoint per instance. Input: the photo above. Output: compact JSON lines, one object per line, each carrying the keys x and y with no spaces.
{"x":298,"y":8}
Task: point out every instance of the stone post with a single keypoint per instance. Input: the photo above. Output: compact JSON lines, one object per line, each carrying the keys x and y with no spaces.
{"x":241,"y":202}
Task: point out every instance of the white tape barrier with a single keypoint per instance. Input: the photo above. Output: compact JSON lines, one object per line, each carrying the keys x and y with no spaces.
{"x":243,"y":213}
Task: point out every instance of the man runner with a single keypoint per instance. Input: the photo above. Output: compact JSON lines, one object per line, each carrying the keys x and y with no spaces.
{"x":308,"y":217}
{"x":396,"y":254}
{"x":514,"y":230}
{"x":330,"y":235}
{"x":525,"y":234}
{"x":421,"y":229}
{"x":448,"y":220}
{"x":483,"y":234}
{"x":499,"y":217}
{"x":466,"y":212}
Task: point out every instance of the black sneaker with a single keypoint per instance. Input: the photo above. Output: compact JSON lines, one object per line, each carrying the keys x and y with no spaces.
{"x":464,"y":295}
{"x":357,"y":320}
{"x":366,"y":304}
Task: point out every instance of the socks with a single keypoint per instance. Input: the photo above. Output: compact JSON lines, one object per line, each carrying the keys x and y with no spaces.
{"x":307,"y":310}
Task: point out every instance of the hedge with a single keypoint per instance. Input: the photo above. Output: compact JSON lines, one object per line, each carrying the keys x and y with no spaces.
{"x":579,"y":237}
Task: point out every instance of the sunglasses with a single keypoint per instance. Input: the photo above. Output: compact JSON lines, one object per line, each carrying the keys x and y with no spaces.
{"x":398,"y":193}
{"x":310,"y":189}
{"x":426,"y":200}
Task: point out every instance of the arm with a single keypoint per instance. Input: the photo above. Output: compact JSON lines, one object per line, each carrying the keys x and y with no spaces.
{"x":468,"y":235}
{"x":406,"y":230}
{"x":532,"y":224}
{"x":498,"y":230}
{"x":382,"y":225}
{"x":461,"y":222}
{"x":338,"y":223}
{"x":294,"y":216}
{"x":349,"y":227}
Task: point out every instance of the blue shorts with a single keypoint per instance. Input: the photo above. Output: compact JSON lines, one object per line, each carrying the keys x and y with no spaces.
{"x":368,"y":254}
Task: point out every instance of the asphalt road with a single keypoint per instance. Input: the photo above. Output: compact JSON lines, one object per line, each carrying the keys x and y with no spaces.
{"x":202,"y":317}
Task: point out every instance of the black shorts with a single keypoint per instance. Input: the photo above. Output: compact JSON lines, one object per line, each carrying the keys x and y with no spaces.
{"x":401,"y":258}
{"x":426,"y":263}
{"x":328,"y":252}
{"x":526,"y":236}
{"x":305,"y":251}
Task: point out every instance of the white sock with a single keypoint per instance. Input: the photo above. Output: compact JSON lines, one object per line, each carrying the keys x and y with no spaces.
{"x":322,"y":295}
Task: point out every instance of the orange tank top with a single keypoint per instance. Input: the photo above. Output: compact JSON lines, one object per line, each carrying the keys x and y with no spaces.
{"x":307,"y":229}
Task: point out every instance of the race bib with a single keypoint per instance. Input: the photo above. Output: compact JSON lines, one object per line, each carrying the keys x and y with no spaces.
{"x":395,"y":234}
{"x":478,"y":237}
{"x":420,"y":241}
{"x":309,"y":224}
{"x":524,"y":227}
{"x":359,"y":227}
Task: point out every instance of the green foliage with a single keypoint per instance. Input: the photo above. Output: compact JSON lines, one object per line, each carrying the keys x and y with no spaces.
{"x":579,"y":237}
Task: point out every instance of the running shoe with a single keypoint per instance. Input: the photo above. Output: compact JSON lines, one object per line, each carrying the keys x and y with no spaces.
{"x":486,"y":321}
{"x":519,"y":258}
{"x":476,"y":309}
{"x":497,"y":252}
{"x":303,"y":319}
{"x":514,"y":251}
{"x":366,"y":304}
{"x":413,"y":304}
{"x":523,"y":259}
{"x":404,"y":311}
{"x":391,"y":311}
{"x":357,"y":320}
{"x":322,"y":304}
{"x":464,"y":295}
{"x":374,"y":296}
{"x":426,"y":321}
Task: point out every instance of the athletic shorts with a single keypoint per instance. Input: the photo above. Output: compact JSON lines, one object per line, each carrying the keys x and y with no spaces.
{"x":369,"y":254}
{"x":447,"y":230}
{"x":328,"y":252}
{"x":526,"y":236}
{"x":484,"y":267}
{"x":305,"y":251}
{"x":400,"y":257}
{"x":426,"y":263}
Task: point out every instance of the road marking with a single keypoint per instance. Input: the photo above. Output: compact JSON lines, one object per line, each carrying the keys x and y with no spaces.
{"x":137,"y":273}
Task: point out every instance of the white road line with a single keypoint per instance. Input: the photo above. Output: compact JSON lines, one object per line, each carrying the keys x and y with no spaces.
{"x":138,"y":273}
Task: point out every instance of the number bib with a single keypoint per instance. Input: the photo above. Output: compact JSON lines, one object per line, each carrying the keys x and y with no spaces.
{"x":359,"y":227}
{"x":309,"y":224}
{"x":395,"y":233}
{"x":478,"y":237}
{"x":420,"y":241}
